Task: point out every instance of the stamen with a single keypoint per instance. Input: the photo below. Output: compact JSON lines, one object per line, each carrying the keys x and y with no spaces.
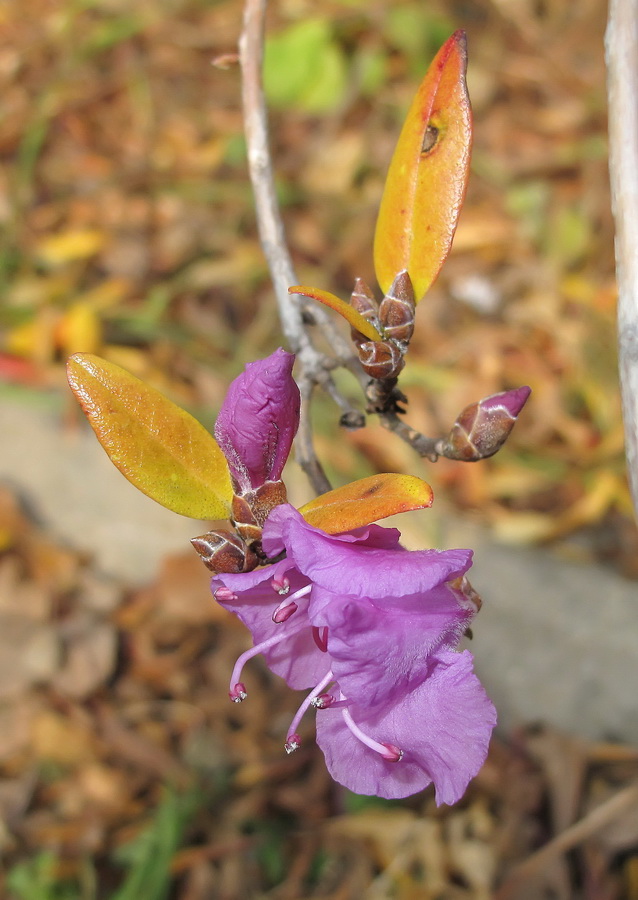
{"x":288,"y":606}
{"x":323,"y":701}
{"x":224,"y":594}
{"x":388,"y":751}
{"x":314,"y":693}
{"x":328,"y":701}
{"x":281,"y":584}
{"x":238,"y":692}
{"x":293,"y":743}
{"x":282,"y":635}
{"x":284,"y":611}
{"x":320,"y":636}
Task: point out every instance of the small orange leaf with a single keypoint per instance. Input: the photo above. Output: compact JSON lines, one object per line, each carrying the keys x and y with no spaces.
{"x":344,"y":309}
{"x":160,"y":448}
{"x":428,"y":175}
{"x":365,"y":501}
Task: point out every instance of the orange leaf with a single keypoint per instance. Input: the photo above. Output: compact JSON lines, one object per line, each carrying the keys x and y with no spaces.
{"x":428,"y":175}
{"x":160,"y":448}
{"x":365,"y":501}
{"x":344,"y":309}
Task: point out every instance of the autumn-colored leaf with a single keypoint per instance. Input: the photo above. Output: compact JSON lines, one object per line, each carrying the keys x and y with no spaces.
{"x":428,"y":175}
{"x":69,"y":246}
{"x":160,"y":448}
{"x":365,"y":501}
{"x":354,"y":318}
{"x":79,"y":329}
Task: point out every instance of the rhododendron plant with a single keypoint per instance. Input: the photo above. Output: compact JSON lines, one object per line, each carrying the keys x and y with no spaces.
{"x":335,"y":604}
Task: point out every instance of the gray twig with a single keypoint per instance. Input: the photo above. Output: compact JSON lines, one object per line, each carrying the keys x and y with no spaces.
{"x":621,"y":45}
{"x":315,"y":366}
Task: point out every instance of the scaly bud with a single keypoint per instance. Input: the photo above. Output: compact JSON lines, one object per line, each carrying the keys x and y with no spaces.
{"x":362,"y":299}
{"x":396,"y":313}
{"x":381,"y":359}
{"x":225,"y":551}
{"x":249,"y":511}
{"x":482,"y":428}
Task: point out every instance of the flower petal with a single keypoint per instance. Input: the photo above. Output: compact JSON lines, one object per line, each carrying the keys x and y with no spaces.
{"x":379,"y":653}
{"x":280,"y":532}
{"x":443,"y":727}
{"x":360,"y":568}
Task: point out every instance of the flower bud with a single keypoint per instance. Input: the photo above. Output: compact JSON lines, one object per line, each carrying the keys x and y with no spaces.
{"x":381,"y":359}
{"x":258,"y":421}
{"x":224,"y":551}
{"x":396,"y":313}
{"x":482,"y":428}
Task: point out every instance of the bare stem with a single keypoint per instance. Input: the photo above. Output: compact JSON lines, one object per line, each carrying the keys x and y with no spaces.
{"x":621,"y":44}
{"x":315,"y":366}
{"x":305,"y":450}
{"x":423,"y":445}
{"x":270,"y":225}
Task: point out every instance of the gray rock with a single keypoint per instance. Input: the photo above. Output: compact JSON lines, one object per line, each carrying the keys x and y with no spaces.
{"x":557,"y":642}
{"x":79,"y":496}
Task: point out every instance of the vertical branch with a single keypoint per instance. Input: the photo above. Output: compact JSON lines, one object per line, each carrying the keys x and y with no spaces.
{"x":269,"y":223}
{"x":315,"y":366}
{"x":621,"y":44}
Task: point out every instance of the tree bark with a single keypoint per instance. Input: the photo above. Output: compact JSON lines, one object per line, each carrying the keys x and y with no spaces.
{"x":621,"y":45}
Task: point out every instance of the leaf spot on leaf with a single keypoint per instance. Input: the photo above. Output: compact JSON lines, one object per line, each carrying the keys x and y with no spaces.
{"x":430,"y":138}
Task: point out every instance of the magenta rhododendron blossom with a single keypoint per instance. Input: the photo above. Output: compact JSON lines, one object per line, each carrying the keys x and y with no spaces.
{"x":259,"y":419}
{"x":369,"y":628}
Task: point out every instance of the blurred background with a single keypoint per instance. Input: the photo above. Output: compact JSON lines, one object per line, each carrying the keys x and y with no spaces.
{"x":128,"y":230}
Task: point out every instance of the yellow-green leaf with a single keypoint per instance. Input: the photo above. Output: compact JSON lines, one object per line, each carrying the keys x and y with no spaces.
{"x":69,"y":246}
{"x":349,"y":313}
{"x":365,"y":501}
{"x":428,"y":175}
{"x":160,"y":448}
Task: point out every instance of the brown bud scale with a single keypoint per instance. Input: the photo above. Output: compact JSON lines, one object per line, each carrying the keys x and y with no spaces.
{"x":397,"y":310}
{"x":362,"y":299}
{"x":224,"y":551}
{"x":381,"y":359}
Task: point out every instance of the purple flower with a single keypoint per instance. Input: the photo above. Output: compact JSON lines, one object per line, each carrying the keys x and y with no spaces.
{"x":258,"y":420}
{"x":369,"y":628}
